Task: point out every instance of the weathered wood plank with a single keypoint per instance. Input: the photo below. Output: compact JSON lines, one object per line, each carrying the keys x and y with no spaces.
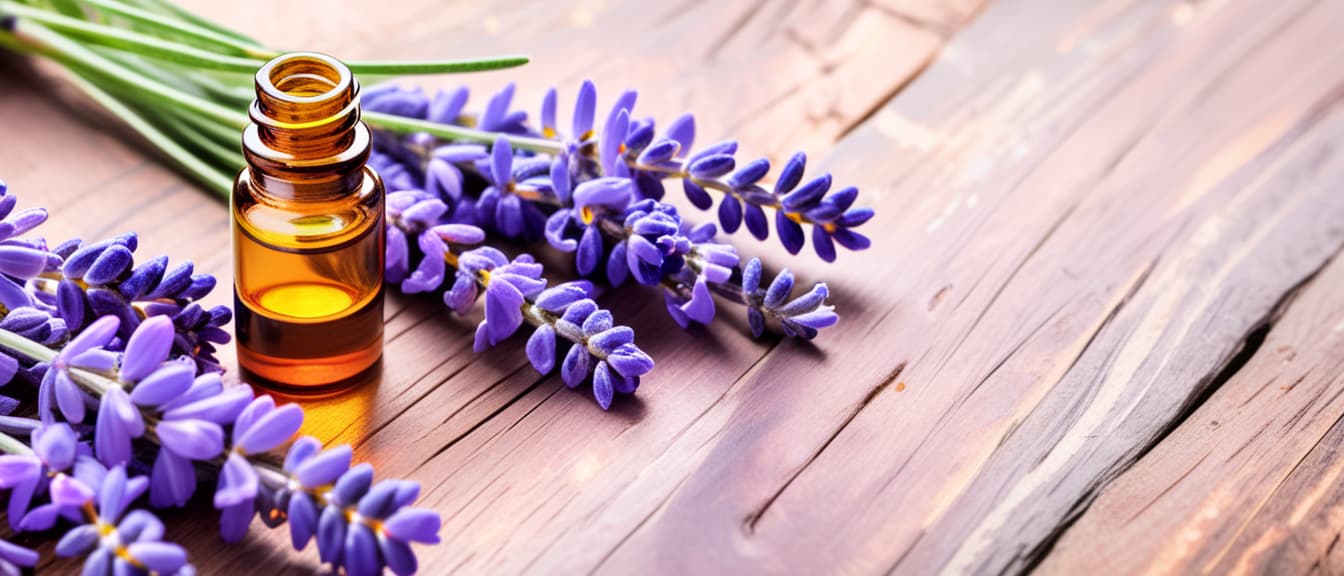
{"x":1249,"y":483}
{"x":1059,"y":301}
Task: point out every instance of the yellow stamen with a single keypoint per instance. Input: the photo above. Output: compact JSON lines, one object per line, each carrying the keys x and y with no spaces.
{"x":586,"y":214}
{"x":548,"y":132}
{"x":795,"y":216}
{"x":125,"y":554}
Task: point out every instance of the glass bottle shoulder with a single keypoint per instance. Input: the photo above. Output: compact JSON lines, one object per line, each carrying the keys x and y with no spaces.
{"x":299,"y":224}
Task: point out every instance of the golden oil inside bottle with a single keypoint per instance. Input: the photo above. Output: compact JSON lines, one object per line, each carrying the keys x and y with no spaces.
{"x":308,"y":224}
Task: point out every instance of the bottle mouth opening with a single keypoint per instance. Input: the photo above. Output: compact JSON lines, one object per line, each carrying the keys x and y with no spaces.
{"x":304,"y":86}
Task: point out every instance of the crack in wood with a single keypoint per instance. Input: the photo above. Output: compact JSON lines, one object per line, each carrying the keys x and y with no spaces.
{"x":1251,"y":343}
{"x":749,"y":523}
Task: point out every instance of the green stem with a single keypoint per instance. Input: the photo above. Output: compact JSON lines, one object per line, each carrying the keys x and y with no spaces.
{"x":416,"y":68}
{"x":131,"y":41}
{"x":193,"y":56}
{"x":36,"y":38}
{"x":189,"y":162}
{"x":403,"y":125}
{"x":184,"y":15}
{"x":12,"y":445}
{"x":204,"y":37}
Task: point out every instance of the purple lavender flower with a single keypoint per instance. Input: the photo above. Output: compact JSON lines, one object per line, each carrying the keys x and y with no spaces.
{"x":101,"y":279}
{"x":57,"y":388}
{"x":802,"y":316}
{"x":501,"y":206}
{"x":20,"y":258}
{"x":14,"y":558}
{"x":194,"y":421}
{"x":35,"y":324}
{"x":261,"y":427}
{"x":54,"y":450}
{"x":415,"y":214}
{"x":114,"y":540}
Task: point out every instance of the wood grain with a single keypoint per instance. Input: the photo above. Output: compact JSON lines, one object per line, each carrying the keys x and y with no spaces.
{"x":1086,"y":211}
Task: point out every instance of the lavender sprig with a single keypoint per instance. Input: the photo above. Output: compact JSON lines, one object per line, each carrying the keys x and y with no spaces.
{"x":151,"y":410}
{"x":101,"y":278}
{"x":515,"y":294}
{"x":596,"y":194}
{"x":190,"y":426}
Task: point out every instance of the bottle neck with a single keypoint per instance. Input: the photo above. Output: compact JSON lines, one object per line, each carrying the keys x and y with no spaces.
{"x":306,"y":142}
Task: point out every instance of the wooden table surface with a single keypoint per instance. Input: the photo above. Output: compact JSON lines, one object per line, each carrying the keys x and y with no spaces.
{"x":1101,"y":328}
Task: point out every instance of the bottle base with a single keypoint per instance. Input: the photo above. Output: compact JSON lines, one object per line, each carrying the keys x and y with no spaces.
{"x":316,"y":376}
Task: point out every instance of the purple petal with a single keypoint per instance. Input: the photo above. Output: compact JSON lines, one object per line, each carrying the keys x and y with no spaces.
{"x":779,"y":289}
{"x":302,"y":520}
{"x":730,"y":214}
{"x":757,"y":223}
{"x":160,"y":557}
{"x":300,"y":451}
{"x":56,"y":445}
{"x":697,"y":195}
{"x":629,"y":361}
{"x":612,"y":338}
{"x":617,"y":270}
{"x":223,"y":408}
{"x":460,"y":233}
{"x":414,"y":525}
{"x":757,"y":321}
{"x":109,"y":265}
{"x":541,"y":349}
{"x":807,"y":194}
{"x":807,"y":302}
{"x":237,"y":483}
{"x":163,"y":384}
{"x":558,"y":298}
{"x":233,"y":522}
{"x":851,"y":240}
{"x":273,"y":429}
{"x":599,"y":321}
{"x":574,"y":370}
{"x":172,"y":481}
{"x":749,"y":174}
{"x":590,"y":251}
{"x":682,"y":129}
{"x":614,"y":193}
{"x":77,"y":542}
{"x":503,"y":313}
{"x":22,"y":262}
{"x":148,"y":348}
{"x":585,"y":109}
{"x":331,"y":535}
{"x":325,"y":468}
{"x":790,"y":232}
{"x":353,"y":484}
{"x":361,"y":552}
{"x":67,"y":491}
{"x":613,"y":135}
{"x":501,"y":161}
{"x":192,"y":439}
{"x":701,"y":305}
{"x":711,"y":167}
{"x":602,"y":388}
{"x":429,"y":274}
{"x":821,"y":242}
{"x":69,"y":398}
{"x":95,"y":335}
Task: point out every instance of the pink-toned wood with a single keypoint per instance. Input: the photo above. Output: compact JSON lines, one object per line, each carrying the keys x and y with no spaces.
{"x":1086,"y":210}
{"x":1250,"y":482}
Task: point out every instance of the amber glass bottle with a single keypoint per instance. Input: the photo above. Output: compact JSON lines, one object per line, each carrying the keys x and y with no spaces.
{"x":307,"y":230}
